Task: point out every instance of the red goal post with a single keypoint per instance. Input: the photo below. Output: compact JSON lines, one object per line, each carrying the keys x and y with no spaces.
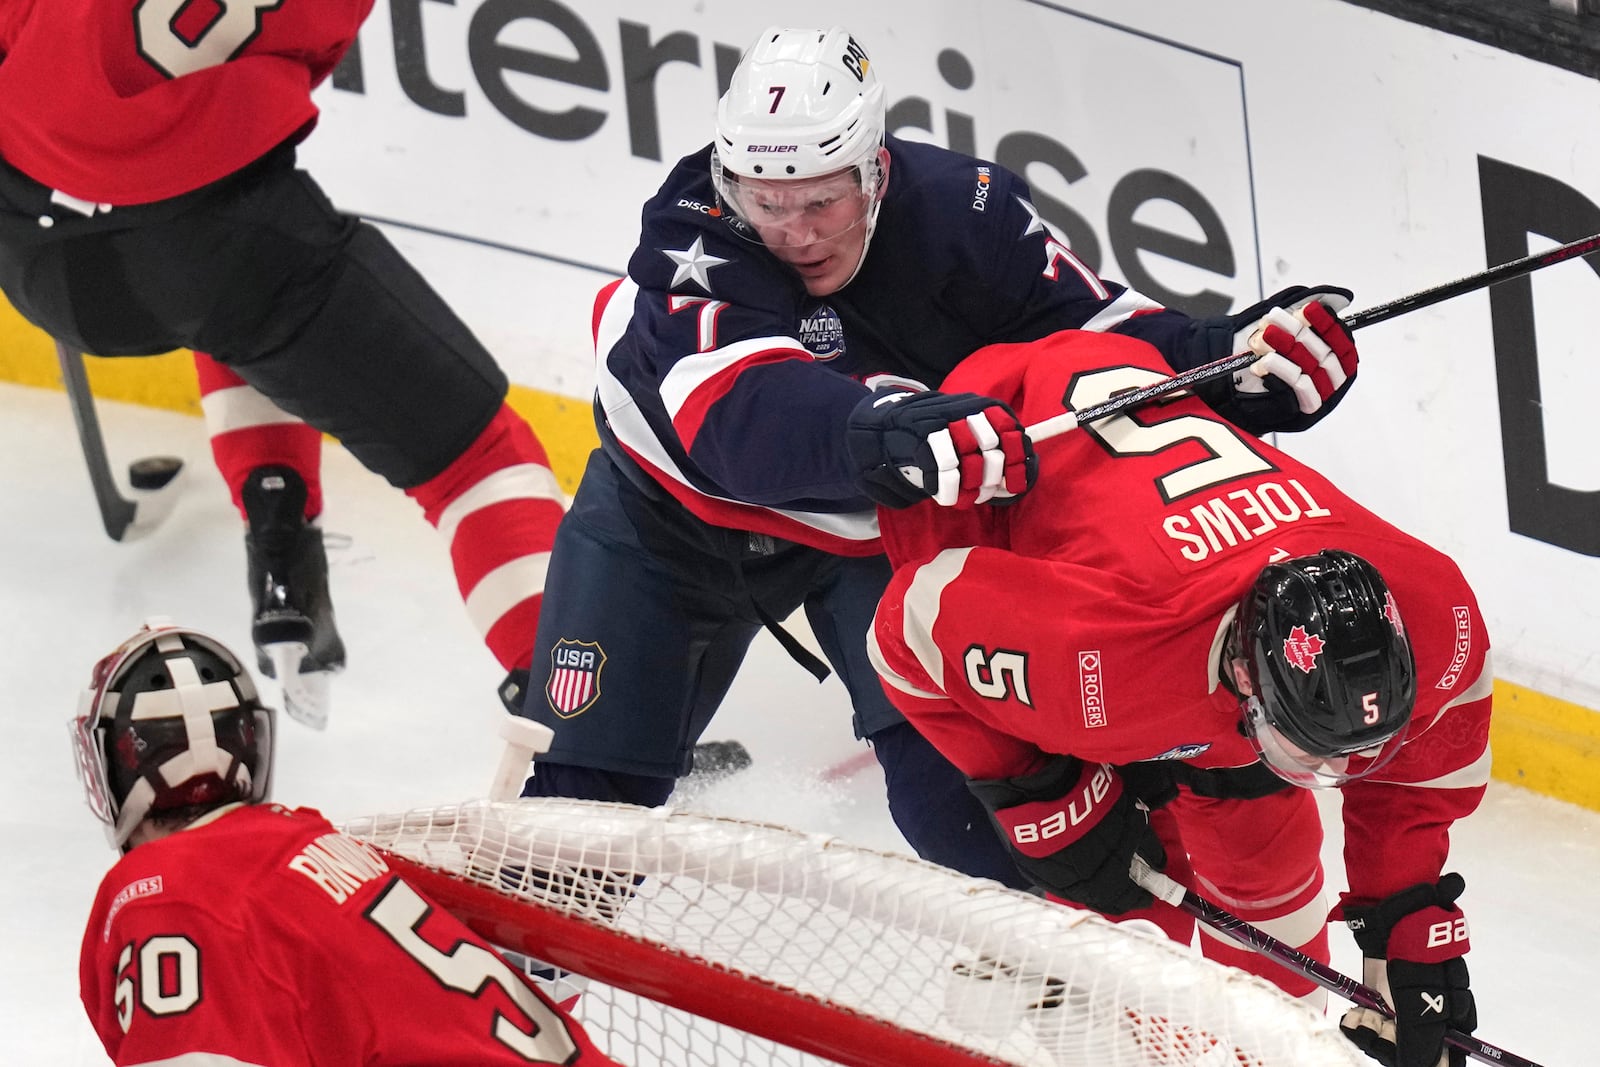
{"x":717,"y":941}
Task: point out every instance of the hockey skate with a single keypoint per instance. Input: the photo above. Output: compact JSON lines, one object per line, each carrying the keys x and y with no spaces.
{"x":292,"y":624}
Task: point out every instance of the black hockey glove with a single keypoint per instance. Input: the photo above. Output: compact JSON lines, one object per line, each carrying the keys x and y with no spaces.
{"x":957,"y":448}
{"x":1074,"y":829}
{"x":1307,"y":358}
{"x":1413,"y":942}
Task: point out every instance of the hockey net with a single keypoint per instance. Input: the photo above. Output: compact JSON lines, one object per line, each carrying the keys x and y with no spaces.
{"x":713,"y":941}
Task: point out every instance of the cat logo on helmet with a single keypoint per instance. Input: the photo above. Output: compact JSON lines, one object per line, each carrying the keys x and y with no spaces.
{"x":574,"y":682}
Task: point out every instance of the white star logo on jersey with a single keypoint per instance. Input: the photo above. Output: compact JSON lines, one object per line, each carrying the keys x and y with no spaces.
{"x":1036,"y":224}
{"x":694,"y":264}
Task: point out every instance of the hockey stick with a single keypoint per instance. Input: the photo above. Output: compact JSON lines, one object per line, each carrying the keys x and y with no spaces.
{"x":1230,"y":925}
{"x":153,"y":480}
{"x":1071,"y":420}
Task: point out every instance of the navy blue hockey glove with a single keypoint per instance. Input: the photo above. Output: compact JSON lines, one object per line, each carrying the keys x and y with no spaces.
{"x":1413,"y":942}
{"x":1074,"y":829}
{"x":957,"y":448}
{"x":1307,"y":356}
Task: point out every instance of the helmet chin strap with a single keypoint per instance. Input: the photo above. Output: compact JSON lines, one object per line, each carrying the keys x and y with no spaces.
{"x":866,"y":242}
{"x":872,"y":212}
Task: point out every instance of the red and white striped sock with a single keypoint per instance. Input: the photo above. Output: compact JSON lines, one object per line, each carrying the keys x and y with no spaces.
{"x":497,"y":506}
{"x":249,"y":431}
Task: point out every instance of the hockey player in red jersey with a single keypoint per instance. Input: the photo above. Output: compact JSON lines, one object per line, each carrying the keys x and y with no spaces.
{"x":234,"y":930}
{"x":149,"y":200}
{"x":1182,"y":618}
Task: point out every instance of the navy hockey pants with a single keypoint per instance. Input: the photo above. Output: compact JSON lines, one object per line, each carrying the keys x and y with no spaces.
{"x":648,"y":613}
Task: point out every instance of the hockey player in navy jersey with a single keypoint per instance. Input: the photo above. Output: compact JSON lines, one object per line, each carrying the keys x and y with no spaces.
{"x":766,"y":377}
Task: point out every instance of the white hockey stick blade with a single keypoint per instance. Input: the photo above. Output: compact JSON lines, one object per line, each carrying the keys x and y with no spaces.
{"x":307,"y":696}
{"x":154,"y":484}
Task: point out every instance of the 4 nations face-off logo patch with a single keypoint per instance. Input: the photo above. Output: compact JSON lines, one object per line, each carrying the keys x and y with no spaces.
{"x":574,"y":683}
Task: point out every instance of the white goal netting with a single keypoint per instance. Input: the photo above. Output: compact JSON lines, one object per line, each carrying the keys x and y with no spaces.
{"x":820,"y":939}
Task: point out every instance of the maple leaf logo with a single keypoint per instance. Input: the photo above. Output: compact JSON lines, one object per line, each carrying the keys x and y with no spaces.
{"x":1391,"y":611}
{"x":1302,"y":649}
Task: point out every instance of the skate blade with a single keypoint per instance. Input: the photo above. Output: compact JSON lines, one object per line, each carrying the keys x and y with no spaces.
{"x":307,"y":696}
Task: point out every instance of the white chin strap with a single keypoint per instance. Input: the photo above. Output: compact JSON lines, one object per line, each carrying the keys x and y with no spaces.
{"x":866,"y":241}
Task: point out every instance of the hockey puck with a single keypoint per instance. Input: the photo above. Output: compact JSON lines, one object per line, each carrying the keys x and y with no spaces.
{"x":153,"y":472}
{"x":717,"y":759}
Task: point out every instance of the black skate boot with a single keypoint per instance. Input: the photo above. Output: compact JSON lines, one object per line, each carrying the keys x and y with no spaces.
{"x":292,"y":623}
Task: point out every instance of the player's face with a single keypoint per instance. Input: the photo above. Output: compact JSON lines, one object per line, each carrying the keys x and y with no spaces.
{"x":816,"y":225}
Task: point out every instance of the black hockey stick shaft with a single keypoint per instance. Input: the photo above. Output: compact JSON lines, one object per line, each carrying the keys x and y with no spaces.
{"x":1230,"y":925}
{"x":1482,"y":280}
{"x":1206,"y":372}
{"x":116,"y":512}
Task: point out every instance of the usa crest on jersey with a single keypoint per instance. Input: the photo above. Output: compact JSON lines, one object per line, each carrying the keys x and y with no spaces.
{"x":574,"y":683}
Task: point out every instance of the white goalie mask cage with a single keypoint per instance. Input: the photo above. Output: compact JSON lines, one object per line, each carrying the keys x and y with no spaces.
{"x":170,"y":719}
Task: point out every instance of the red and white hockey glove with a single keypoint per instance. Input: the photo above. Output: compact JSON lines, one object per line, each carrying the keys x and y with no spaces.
{"x":957,"y":448}
{"x":1302,"y":345}
{"x":1413,"y":942}
{"x":1074,"y":829}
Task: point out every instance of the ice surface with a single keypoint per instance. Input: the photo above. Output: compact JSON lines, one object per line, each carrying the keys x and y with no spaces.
{"x":414,"y":718}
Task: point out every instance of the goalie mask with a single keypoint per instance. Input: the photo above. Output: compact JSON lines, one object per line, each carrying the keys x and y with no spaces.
{"x":170,"y":723}
{"x":1331,"y":673}
{"x":799,"y":151}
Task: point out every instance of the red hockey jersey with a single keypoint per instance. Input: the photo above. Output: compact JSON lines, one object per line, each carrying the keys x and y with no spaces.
{"x":129,"y":101}
{"x":1087,"y":619}
{"x":264,"y":937}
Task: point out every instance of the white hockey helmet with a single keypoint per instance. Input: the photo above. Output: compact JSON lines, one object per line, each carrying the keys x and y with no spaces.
{"x":802,"y":104}
{"x":170,"y":722}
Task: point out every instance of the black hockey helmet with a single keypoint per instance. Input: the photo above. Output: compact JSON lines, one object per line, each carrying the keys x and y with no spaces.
{"x":171,"y":723}
{"x":1330,"y":667}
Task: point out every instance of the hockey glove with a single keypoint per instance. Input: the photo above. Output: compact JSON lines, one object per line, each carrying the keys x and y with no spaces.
{"x":1074,"y":829}
{"x":1307,"y":355}
{"x":957,"y":448}
{"x":1413,"y":942}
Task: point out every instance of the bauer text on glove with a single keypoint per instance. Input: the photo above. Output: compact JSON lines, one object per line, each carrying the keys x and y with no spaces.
{"x":1414,"y":943}
{"x":1074,"y":829}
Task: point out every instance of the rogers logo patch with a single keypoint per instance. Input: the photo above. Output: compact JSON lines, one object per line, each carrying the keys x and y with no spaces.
{"x":1091,"y":686}
{"x":1463,"y":648}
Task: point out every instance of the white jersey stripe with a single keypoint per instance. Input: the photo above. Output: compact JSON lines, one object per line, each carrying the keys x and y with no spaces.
{"x":921,"y":612}
{"x":1121,"y":310}
{"x":633,"y":431}
{"x":692,"y":372}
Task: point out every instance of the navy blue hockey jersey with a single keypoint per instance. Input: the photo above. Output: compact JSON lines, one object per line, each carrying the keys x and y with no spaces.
{"x":731,"y":385}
